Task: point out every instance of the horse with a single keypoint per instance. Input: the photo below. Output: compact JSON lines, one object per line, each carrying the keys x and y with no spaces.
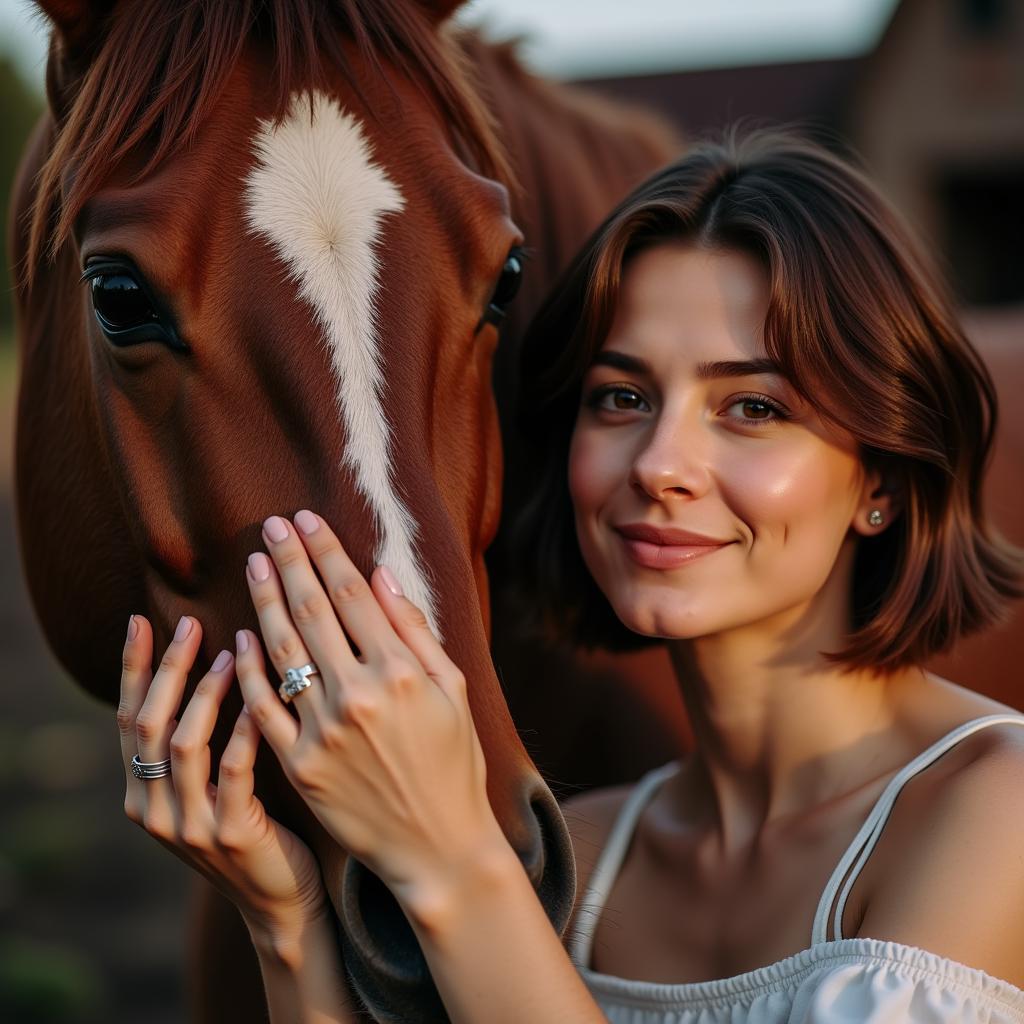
{"x":201,"y":197}
{"x":263,"y":249}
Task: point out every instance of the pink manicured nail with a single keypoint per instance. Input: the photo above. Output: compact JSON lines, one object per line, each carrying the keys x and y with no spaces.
{"x":242,"y":641}
{"x":259,"y":566}
{"x":222,"y":662}
{"x":183,"y":629}
{"x":276,"y":529}
{"x":133,"y":628}
{"x":306,"y":521}
{"x":390,"y":582}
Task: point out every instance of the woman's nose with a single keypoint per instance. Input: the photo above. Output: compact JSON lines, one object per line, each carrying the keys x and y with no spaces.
{"x":674,"y":461}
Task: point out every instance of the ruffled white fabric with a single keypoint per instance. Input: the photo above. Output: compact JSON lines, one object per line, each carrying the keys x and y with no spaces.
{"x":845,"y":981}
{"x":850,"y":981}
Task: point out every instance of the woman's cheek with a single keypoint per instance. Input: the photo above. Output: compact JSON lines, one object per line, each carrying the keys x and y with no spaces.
{"x":592,"y":471}
{"x":793,"y":493}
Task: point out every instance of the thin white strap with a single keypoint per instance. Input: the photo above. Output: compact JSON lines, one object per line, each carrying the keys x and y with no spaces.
{"x":864,"y":842}
{"x":610,"y":860}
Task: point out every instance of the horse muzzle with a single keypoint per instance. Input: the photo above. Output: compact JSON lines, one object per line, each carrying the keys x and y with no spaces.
{"x":385,"y":964}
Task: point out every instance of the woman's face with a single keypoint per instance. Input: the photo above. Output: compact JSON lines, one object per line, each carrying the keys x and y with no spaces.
{"x":684,"y":427}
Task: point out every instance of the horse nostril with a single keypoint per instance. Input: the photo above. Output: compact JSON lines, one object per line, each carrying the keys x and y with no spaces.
{"x":383,"y":959}
{"x":532,"y":854}
{"x":552,"y":867}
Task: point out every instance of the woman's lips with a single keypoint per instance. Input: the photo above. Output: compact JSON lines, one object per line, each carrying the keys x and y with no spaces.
{"x":666,"y":556}
{"x":655,"y":548}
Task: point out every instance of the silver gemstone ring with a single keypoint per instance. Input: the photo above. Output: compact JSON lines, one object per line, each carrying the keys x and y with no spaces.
{"x":295,"y":681}
{"x":150,"y":769}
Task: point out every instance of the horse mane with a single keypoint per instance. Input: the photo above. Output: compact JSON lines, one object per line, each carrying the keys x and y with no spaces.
{"x":162,"y":65}
{"x":600,"y":122}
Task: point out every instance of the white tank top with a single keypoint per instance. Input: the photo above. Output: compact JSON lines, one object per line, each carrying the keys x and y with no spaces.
{"x":837,"y":981}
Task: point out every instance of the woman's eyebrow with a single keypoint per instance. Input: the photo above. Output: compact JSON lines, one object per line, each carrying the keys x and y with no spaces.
{"x":620,"y":361}
{"x":738,"y":368}
{"x":705,"y":371}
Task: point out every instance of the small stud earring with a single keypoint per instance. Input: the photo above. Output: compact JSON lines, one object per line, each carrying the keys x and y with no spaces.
{"x":875,"y":518}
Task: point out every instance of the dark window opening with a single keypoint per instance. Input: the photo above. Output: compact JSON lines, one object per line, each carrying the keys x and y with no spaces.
{"x":983,"y":213}
{"x":982,"y":19}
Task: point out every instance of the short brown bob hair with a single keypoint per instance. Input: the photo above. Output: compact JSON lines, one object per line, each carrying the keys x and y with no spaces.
{"x":861,"y":328}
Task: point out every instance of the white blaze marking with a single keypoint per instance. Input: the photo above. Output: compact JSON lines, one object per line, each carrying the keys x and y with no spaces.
{"x":319,"y":198}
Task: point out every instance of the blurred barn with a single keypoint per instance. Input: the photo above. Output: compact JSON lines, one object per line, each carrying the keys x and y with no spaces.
{"x":936,"y":111}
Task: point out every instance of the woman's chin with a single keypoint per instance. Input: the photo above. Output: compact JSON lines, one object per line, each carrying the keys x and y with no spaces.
{"x":676,"y":624}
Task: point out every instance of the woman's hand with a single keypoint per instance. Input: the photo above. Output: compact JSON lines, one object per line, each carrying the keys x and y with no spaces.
{"x":384,"y":750}
{"x":222,"y":831}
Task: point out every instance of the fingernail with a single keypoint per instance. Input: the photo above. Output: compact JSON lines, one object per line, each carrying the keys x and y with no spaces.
{"x":242,"y":641}
{"x":276,"y":529}
{"x":222,"y":662}
{"x":390,"y":582}
{"x":133,"y":628}
{"x":306,"y":521}
{"x":259,"y":566}
{"x":183,"y":629}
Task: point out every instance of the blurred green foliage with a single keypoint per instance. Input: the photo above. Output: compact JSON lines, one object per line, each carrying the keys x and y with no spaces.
{"x":45,"y":984}
{"x":45,"y":842}
{"x":20,"y":107}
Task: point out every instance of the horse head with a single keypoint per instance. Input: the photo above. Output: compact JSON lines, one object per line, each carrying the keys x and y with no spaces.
{"x":265,"y":246}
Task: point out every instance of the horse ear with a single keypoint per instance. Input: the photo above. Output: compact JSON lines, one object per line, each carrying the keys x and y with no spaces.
{"x":76,"y":22}
{"x":439,"y":10}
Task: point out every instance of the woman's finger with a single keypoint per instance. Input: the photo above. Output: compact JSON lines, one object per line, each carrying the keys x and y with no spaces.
{"x":347,"y":589}
{"x":156,"y":720}
{"x":235,"y":781}
{"x":261,"y":699}
{"x":284,"y":642}
{"x":153,"y":725}
{"x":190,"y":744}
{"x":414,"y":631}
{"x":136,"y":674}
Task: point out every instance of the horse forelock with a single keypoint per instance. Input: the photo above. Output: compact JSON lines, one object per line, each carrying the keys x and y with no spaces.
{"x":317,"y":196}
{"x":155,"y":87}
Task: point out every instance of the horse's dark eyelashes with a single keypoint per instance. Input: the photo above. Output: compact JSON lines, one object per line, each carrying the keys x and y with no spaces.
{"x":505,"y":290}
{"x":125,"y":307}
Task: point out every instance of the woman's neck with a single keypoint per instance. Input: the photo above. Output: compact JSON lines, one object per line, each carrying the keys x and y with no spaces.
{"x":779,"y":729}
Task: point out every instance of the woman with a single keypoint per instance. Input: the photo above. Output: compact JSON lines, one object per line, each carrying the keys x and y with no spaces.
{"x":775,"y":435}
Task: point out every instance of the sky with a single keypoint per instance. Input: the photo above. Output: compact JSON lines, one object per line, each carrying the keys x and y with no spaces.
{"x":588,"y":38}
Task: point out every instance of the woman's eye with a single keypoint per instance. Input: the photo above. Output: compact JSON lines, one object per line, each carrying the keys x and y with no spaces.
{"x":618,"y":399}
{"x":755,"y":410}
{"x":120,"y":302}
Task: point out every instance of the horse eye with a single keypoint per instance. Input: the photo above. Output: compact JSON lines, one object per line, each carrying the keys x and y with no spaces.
{"x":506,"y":288}
{"x":510,"y":280}
{"x":125,"y":308}
{"x":120,"y":302}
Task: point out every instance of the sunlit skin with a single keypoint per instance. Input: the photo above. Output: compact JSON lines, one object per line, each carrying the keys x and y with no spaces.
{"x":681,"y":427}
{"x":673,"y":431}
{"x":790,"y":748}
{"x":739,"y":458}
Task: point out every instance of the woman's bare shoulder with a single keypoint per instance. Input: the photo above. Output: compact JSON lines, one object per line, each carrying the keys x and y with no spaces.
{"x":951,"y":878}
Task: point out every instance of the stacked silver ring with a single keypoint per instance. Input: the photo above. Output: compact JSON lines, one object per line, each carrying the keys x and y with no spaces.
{"x":150,"y":769}
{"x":295,"y":681}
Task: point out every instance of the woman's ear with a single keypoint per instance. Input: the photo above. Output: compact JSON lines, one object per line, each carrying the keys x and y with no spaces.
{"x":879,"y":504}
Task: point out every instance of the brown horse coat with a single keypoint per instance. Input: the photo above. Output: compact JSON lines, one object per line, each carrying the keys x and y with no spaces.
{"x":255,"y":381}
